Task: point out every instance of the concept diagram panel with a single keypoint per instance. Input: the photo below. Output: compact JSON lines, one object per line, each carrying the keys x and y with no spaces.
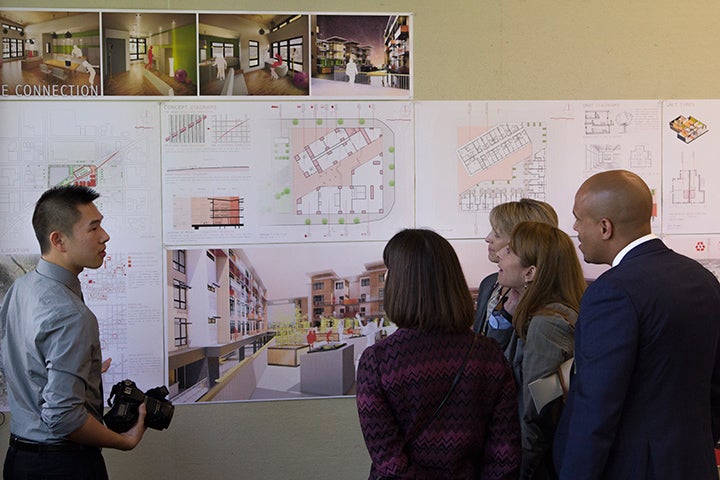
{"x":286,"y":172}
{"x":61,"y":143}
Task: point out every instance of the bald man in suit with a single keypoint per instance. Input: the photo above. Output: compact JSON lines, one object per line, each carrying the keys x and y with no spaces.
{"x":644,"y":400}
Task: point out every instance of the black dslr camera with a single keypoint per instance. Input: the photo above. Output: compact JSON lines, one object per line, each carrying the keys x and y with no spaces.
{"x":124,"y":401}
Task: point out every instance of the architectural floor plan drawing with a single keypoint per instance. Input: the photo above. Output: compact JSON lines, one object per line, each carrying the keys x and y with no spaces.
{"x":487,"y":153}
{"x":690,"y":166}
{"x":640,"y":157}
{"x":501,"y":165}
{"x":597,"y":122}
{"x":688,"y":188}
{"x":688,"y":128}
{"x":343,"y":172}
{"x":481,"y":154}
{"x":492,"y":147}
{"x":588,"y":137}
{"x":339,"y":170}
{"x":608,"y":120}
{"x":289,"y":172}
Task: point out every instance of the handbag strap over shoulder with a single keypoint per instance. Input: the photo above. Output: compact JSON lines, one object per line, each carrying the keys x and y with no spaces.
{"x":416,"y":433}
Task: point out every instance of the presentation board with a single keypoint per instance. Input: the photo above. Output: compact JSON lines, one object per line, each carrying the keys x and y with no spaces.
{"x":318,"y":187}
{"x":251,"y":172}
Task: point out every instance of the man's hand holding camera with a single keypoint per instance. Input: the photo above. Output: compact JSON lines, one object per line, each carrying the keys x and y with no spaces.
{"x":135,"y":434}
{"x":127,"y":402}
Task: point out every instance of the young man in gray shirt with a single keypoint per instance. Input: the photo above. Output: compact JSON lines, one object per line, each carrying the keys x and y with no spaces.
{"x":50,"y":347}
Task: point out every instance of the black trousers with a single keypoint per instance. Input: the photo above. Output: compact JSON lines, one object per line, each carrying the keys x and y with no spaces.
{"x":85,"y":464}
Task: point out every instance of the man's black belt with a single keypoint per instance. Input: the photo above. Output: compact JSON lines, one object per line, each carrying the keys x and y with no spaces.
{"x":37,"y":447}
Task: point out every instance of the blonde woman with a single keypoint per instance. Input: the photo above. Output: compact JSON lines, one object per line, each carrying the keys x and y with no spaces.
{"x":490,"y":317}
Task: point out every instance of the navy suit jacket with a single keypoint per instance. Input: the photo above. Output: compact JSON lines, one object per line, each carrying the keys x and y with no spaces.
{"x":644,"y":400}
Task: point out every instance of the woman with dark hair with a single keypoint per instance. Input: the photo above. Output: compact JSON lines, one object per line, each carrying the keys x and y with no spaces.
{"x":435,"y":399}
{"x":545,"y":280}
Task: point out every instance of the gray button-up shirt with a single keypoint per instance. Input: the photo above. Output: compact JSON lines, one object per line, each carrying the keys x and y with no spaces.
{"x":50,"y":345}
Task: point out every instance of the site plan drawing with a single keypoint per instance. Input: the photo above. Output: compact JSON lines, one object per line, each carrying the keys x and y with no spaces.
{"x":59,"y":143}
{"x":286,"y":172}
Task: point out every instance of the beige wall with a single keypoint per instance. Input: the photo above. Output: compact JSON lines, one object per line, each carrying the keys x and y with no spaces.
{"x":474,"y":49}
{"x":526,"y":49}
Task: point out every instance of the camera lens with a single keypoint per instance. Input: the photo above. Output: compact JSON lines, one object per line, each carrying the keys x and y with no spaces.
{"x":159,"y":413}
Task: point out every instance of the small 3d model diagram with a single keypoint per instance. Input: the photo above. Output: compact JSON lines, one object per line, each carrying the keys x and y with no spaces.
{"x":688,"y":128}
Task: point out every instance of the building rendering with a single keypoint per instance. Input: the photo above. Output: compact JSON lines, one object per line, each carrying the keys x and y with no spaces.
{"x":216,"y":306}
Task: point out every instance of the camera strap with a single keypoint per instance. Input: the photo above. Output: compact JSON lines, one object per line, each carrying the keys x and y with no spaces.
{"x":113,"y":392}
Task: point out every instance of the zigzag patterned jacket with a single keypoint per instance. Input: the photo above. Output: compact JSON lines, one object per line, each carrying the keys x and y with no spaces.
{"x":400,"y":383}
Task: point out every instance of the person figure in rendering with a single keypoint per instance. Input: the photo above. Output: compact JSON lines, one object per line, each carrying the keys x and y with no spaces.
{"x":91,"y":71}
{"x":293,"y":59}
{"x":369,"y":328}
{"x":221,"y":64}
{"x":76,"y":52}
{"x":50,"y":347}
{"x":278,"y":61}
{"x":644,"y":399}
{"x":435,"y":399}
{"x":149,"y":65}
{"x":351,"y":70}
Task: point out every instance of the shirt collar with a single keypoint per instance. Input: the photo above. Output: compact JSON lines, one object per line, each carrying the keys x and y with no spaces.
{"x":60,"y":274}
{"x":631,"y":245}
